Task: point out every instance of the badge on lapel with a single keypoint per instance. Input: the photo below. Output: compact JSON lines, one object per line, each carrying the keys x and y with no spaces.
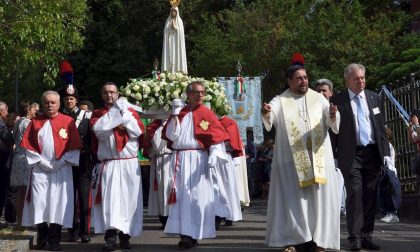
{"x":63,"y":133}
{"x":376,"y":111}
{"x":204,"y":125}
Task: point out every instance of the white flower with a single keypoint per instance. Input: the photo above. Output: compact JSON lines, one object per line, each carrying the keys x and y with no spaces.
{"x":147,"y":90}
{"x":151,"y":92}
{"x":179,"y":75}
{"x":138,"y":97}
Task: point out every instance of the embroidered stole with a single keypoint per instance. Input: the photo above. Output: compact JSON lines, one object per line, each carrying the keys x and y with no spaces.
{"x":308,"y":156}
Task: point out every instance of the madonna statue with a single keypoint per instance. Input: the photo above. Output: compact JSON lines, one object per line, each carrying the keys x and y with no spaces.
{"x":174,"y":58}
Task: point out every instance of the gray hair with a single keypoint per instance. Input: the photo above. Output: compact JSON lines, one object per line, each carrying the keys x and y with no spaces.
{"x":188,"y":89}
{"x":353,"y":67}
{"x":49,"y":92}
{"x":322,"y":82}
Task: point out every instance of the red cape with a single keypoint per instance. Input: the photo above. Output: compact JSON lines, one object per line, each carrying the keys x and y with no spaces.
{"x":207,"y":128}
{"x":65,"y":134}
{"x":234,"y":136}
{"x":121,"y":136}
{"x":150,"y":133}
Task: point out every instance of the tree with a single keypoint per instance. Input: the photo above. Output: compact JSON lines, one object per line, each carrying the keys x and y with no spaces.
{"x":34,"y":36}
{"x":265,"y":33}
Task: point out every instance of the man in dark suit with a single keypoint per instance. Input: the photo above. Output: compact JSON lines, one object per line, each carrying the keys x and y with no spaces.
{"x":362,"y":149}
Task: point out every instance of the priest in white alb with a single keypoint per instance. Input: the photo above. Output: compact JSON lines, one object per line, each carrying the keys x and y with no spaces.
{"x":303,"y":210}
{"x":196,"y":138}
{"x":52,"y":146}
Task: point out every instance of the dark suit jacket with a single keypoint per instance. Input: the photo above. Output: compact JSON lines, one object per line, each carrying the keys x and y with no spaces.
{"x":344,"y":144}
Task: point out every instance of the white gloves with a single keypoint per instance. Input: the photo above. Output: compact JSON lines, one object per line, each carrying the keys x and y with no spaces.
{"x":56,"y":164}
{"x":177,"y":105}
{"x":52,"y":165}
{"x":387,"y":161}
{"x":45,"y":165}
{"x":122,"y":104}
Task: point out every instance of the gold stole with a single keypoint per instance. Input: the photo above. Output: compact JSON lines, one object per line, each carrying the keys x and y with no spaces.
{"x":308,"y":173}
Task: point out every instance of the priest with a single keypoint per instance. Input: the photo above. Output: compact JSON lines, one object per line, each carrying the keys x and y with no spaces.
{"x":52,"y":145}
{"x":303,"y":210}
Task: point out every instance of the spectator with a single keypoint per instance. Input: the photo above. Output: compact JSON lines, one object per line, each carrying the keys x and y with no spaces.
{"x":86,"y":105}
{"x":20,"y":170}
{"x":390,"y":187}
{"x":414,"y":137}
{"x":6,"y":142}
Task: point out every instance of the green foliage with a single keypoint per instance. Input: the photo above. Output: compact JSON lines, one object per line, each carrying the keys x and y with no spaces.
{"x":35,"y":34}
{"x":409,"y":62}
{"x":264,"y":34}
{"x":122,"y":39}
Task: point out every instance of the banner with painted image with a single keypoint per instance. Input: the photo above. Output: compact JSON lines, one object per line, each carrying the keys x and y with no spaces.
{"x":244,"y":95}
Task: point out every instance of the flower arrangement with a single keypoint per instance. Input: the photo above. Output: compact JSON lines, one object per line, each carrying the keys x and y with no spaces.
{"x":160,"y":92}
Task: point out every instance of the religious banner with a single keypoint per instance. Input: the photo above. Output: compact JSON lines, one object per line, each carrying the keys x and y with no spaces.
{"x":244,"y":97}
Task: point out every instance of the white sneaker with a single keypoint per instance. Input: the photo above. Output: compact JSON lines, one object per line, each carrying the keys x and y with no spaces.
{"x":390,"y":218}
{"x":394,"y":218}
{"x":387,"y":218}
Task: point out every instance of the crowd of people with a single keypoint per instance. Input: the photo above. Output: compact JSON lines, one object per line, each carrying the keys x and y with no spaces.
{"x":77,"y":167}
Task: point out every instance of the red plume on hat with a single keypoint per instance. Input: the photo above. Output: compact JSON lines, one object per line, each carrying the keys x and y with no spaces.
{"x":66,"y":72}
{"x":297,"y":59}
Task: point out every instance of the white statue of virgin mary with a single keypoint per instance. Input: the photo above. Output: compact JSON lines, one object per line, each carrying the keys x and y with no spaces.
{"x":174,"y":57}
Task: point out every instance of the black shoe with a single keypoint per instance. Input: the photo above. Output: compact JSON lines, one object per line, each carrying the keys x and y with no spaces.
{"x":125,"y":244}
{"x":228,"y":223}
{"x":72,"y":238}
{"x":40,"y":245}
{"x":187,"y":242}
{"x":55,"y":247}
{"x":369,"y":244}
{"x":110,"y":245}
{"x":355,"y":245}
{"x":217,"y":222}
{"x":84,"y":238}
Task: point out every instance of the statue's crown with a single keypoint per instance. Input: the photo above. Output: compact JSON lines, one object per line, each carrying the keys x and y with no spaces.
{"x":174,"y":3}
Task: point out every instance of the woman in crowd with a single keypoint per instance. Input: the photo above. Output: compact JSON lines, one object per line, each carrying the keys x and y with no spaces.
{"x":20,"y":170}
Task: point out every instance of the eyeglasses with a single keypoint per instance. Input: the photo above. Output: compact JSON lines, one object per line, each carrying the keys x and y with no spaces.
{"x":198,"y":92}
{"x":110,"y":92}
